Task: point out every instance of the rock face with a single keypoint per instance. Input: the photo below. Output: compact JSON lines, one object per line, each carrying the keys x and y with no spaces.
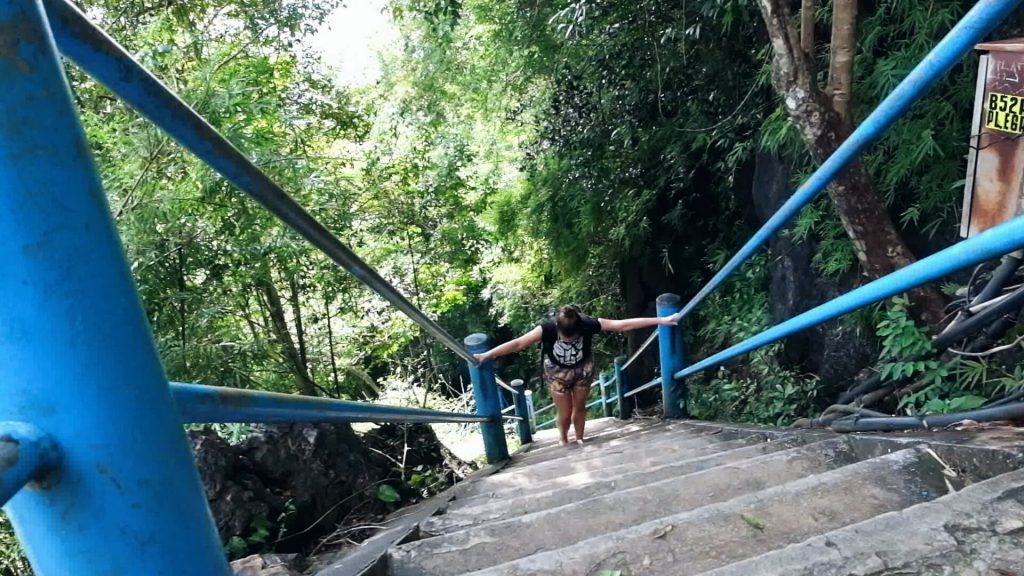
{"x":291,"y":476}
{"x":267,"y":565}
{"x":835,"y":351}
{"x":297,"y":482}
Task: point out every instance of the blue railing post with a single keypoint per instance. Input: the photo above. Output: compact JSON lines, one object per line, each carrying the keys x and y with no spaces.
{"x":27,"y":454}
{"x":523,"y":411}
{"x":621,"y":388}
{"x":670,"y":351}
{"x":605,"y":406}
{"x":485,"y":392}
{"x":530,"y":409}
{"x":77,"y":359}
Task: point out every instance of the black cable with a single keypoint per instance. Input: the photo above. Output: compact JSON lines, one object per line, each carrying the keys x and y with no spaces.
{"x":1000,"y":277}
{"x":964,"y":329}
{"x":1011,"y":398}
{"x":1013,"y":411}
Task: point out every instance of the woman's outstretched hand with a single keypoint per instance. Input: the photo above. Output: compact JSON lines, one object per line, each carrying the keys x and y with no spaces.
{"x":482,"y":357}
{"x":668,"y":320}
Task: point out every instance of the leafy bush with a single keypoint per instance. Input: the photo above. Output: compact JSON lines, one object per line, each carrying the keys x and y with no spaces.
{"x":937,"y":386}
{"x":12,"y":561}
{"x":762,"y":393}
{"x":758,"y":389}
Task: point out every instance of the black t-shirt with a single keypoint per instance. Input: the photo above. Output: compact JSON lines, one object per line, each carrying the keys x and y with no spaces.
{"x":569,"y":354}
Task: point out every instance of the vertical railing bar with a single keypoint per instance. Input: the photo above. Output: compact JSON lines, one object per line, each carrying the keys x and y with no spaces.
{"x":77,"y":358}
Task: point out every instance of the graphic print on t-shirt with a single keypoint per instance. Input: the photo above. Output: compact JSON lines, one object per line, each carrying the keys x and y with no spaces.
{"x":568,"y":353}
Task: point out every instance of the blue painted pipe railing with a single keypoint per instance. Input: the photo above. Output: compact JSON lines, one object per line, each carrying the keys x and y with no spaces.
{"x":99,"y":485}
{"x":26,"y":454}
{"x":651,"y":384}
{"x":213,"y":404}
{"x":77,"y":359}
{"x":970,"y":30}
{"x":116,"y":488}
{"x":992,"y":243}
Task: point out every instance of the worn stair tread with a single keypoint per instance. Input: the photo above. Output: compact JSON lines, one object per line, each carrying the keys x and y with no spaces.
{"x":649,"y":451}
{"x":578,"y":520}
{"x":611,"y":440}
{"x":718,"y":534}
{"x":596,"y":446}
{"x":588,"y":485}
{"x":978,"y":531}
{"x":624,"y":506}
{"x":568,"y":474}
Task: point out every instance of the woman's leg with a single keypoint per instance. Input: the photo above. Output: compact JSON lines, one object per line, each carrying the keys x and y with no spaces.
{"x":579,"y":409}
{"x":563,"y":402}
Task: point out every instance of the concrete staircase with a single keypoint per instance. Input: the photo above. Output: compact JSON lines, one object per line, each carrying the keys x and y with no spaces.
{"x":694,"y":498}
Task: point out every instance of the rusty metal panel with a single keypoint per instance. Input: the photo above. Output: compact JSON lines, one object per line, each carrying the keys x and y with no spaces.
{"x":995,"y":172}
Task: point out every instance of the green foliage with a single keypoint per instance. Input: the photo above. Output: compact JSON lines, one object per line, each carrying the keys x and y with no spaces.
{"x":902,"y":338}
{"x":387,"y":493}
{"x":758,"y":390}
{"x":739,"y":309}
{"x":260,"y":538}
{"x":918,"y":166}
{"x":762,"y":392}
{"x":940,"y":386}
{"x":12,"y":561}
{"x":970,"y":384}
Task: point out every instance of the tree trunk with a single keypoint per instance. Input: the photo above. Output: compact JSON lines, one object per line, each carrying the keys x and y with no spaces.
{"x":807,"y":8}
{"x":843,"y":50}
{"x":284,"y":337}
{"x":182,"y":313}
{"x":300,"y":332}
{"x":879,"y":246}
{"x":330,"y":346}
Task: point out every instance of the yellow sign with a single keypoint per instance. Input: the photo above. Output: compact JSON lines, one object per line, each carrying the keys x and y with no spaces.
{"x":1005,"y":113}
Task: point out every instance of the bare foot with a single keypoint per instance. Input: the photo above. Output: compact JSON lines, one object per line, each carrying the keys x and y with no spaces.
{"x":563,"y":442}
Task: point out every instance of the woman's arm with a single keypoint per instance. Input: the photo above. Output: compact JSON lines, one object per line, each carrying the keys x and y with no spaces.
{"x":636,"y":323}
{"x":512,"y":346}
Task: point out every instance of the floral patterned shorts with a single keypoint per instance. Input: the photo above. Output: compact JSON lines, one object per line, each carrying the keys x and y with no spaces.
{"x":562,"y":380}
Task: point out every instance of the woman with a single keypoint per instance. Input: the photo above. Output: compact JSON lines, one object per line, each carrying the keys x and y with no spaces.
{"x":568,"y":359}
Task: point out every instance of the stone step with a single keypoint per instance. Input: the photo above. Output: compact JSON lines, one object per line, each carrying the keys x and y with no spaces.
{"x":610,"y":439}
{"x":685,"y":483}
{"x":978,"y":531}
{"x":589,"y":484}
{"x":649,"y":448}
{"x":566,"y":473}
{"x":576,"y":521}
{"x":719,"y":534}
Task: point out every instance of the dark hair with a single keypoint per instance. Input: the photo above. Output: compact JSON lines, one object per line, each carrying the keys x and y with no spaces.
{"x":567,"y":320}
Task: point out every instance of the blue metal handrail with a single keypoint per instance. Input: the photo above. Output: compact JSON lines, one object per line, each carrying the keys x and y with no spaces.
{"x":215,"y":404}
{"x":971,"y":29}
{"x":86,"y":410}
{"x":651,"y":384}
{"x":992,"y":243}
{"x":90,"y":411}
